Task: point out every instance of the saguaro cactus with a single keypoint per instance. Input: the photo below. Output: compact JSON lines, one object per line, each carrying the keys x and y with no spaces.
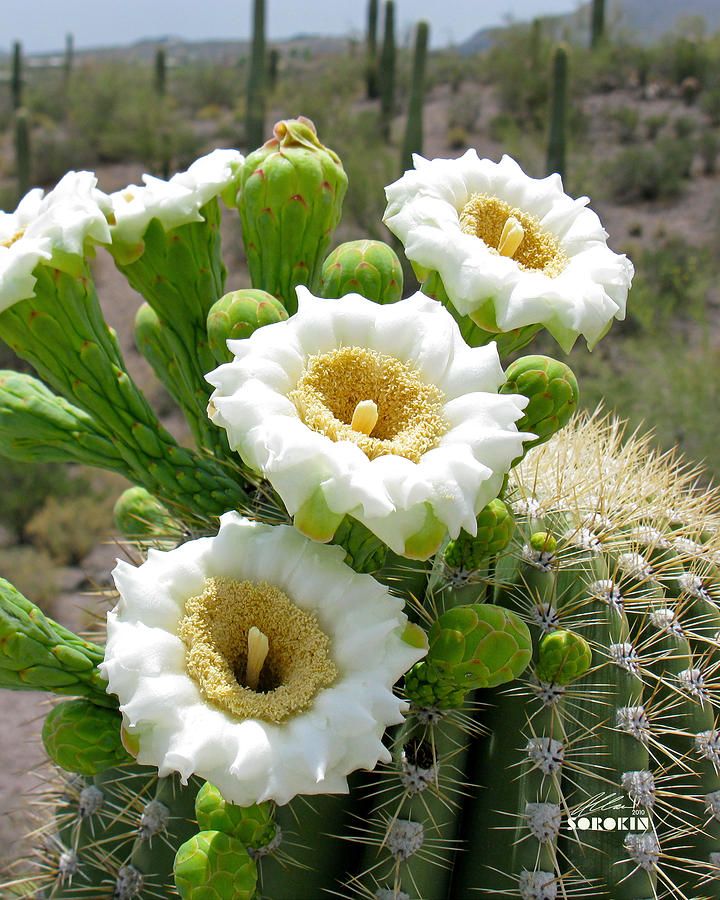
{"x":69,"y":57}
{"x":557,"y":132}
{"x":413,"y":142}
{"x":597,"y":23}
{"x":256,"y":80}
{"x":22,"y":150}
{"x":371,"y":54}
{"x":387,"y":71}
{"x":17,"y":76}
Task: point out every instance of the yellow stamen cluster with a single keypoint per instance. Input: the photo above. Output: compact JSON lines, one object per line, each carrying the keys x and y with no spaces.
{"x":511,"y":232}
{"x":289,"y":657}
{"x":341,"y":393}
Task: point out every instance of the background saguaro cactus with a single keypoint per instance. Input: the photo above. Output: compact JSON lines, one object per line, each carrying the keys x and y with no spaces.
{"x":597,"y":23}
{"x":557,"y":129}
{"x":371,"y":53}
{"x":256,"y":80}
{"x":413,"y":142}
{"x":17,"y":76}
{"x":386,"y":75}
{"x":22,"y":151}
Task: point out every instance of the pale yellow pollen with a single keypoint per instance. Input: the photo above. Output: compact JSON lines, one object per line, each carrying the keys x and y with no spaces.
{"x":258,"y":649}
{"x":128,"y":196}
{"x":339,"y":390}
{"x":511,"y":237}
{"x":511,"y":232}
{"x":253,"y":652}
{"x":365,"y":417}
{"x":13,"y":238}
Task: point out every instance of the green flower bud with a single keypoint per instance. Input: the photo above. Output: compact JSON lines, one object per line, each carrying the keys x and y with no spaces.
{"x":474,"y":646}
{"x":552,"y":390}
{"x":369,"y":268}
{"x":494,"y":531}
{"x":253,"y":826}
{"x":212,"y":865}
{"x":237,"y":315}
{"x":290,"y":201}
{"x":363,"y":551}
{"x":563,"y":656}
{"x":138,"y":514}
{"x":84,"y":738}
{"x":543,"y":542}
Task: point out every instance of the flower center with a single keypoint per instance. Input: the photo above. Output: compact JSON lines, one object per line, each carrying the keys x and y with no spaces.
{"x":13,"y":238}
{"x":376,"y":401}
{"x":253,"y":652}
{"x":511,"y":232}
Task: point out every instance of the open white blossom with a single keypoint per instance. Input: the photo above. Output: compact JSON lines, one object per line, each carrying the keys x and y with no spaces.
{"x":175,"y":202}
{"x":51,"y":228}
{"x":258,"y":660}
{"x":511,"y":251}
{"x":379,"y":412}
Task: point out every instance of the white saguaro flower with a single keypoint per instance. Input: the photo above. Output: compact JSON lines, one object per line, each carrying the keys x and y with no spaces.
{"x":52,"y":228}
{"x":258,"y":660}
{"x":379,"y":412}
{"x":177,"y":201}
{"x":511,"y":251}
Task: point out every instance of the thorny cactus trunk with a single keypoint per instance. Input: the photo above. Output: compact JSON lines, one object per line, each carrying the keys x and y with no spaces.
{"x":447,"y":637}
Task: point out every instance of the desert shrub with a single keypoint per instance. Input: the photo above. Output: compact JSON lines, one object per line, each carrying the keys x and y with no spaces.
{"x":627,"y":119}
{"x":457,"y":138}
{"x":25,"y":487}
{"x":67,"y":529}
{"x":649,"y":173}
{"x":32,"y":572}
{"x":709,"y":145}
{"x":710,"y":105}
{"x":654,"y":125}
{"x":464,"y":113}
{"x":684,"y":126}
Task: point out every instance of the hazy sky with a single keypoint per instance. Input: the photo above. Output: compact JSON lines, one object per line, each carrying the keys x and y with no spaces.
{"x":41,"y":25}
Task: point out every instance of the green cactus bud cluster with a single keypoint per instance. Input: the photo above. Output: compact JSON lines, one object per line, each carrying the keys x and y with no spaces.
{"x":290,"y":199}
{"x":495,"y":525}
{"x":237,"y":315}
{"x":254,"y":826}
{"x":37,"y":654}
{"x":84,"y":738}
{"x":552,"y":390}
{"x":563,"y":657}
{"x":364,"y":552}
{"x":473,"y":646}
{"x":212,"y":865}
{"x":369,"y":268}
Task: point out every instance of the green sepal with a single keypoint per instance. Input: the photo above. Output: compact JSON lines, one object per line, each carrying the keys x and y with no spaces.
{"x":553,"y":394}
{"x":213,"y":865}
{"x":84,"y":738}
{"x":369,"y":268}
{"x":495,"y":525}
{"x":237,"y":315}
{"x":364,"y":552}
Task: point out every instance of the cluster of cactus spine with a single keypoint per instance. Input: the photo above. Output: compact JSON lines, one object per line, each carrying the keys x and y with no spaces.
{"x":572,"y":669}
{"x":413,"y":142}
{"x":557,"y":133}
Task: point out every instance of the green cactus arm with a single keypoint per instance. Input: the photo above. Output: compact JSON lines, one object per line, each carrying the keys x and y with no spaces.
{"x":62,"y":333}
{"x":413,"y":141}
{"x":38,"y":654}
{"x":256,"y":93}
{"x":39,"y":426}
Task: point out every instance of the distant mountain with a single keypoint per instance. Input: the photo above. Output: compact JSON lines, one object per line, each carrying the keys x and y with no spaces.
{"x":645,"y":21}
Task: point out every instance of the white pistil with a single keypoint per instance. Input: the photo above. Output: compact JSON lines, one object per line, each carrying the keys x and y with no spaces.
{"x":258,"y":647}
{"x":512,"y":236}
{"x":365,"y":417}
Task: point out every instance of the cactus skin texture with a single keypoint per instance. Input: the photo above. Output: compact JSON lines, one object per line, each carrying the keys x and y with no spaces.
{"x":237,"y":315}
{"x":387,"y":71}
{"x":413,"y":142}
{"x":369,"y":268}
{"x":557,"y":133}
{"x":255,"y":115}
{"x":290,"y":200}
